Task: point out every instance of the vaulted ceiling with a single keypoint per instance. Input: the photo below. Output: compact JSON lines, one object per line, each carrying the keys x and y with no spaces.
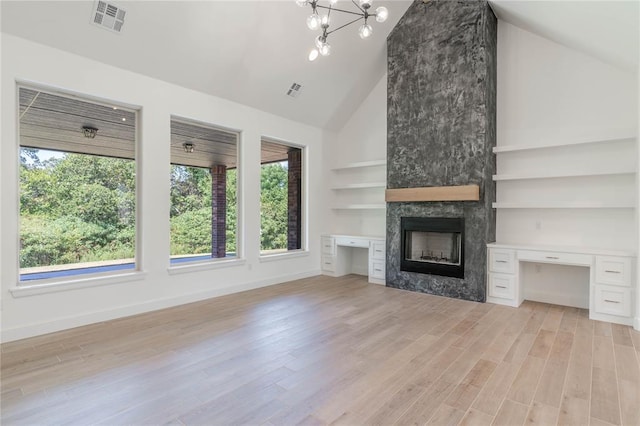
{"x":252,"y":51}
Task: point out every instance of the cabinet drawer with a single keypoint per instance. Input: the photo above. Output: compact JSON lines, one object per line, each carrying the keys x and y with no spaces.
{"x":376,"y":269}
{"x":501,"y":260}
{"x":328,"y":245}
{"x":613,"y":270}
{"x":352,"y":242}
{"x":555,"y":257}
{"x":613,"y":300}
{"x":502,"y":286}
{"x":328,"y":263}
{"x":377,"y":250}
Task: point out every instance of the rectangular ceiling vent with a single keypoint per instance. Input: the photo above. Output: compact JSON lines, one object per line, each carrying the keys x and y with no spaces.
{"x":294,"y":90}
{"x":108,"y":15}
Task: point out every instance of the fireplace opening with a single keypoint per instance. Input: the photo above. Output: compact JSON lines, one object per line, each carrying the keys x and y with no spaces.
{"x":433,"y":245}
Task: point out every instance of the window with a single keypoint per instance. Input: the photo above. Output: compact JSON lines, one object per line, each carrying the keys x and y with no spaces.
{"x":281,"y":227}
{"x":204,"y":187}
{"x":77,"y":186}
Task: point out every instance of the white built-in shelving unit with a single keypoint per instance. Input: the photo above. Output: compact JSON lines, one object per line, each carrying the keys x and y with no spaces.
{"x":591,"y":174}
{"x":359,"y":186}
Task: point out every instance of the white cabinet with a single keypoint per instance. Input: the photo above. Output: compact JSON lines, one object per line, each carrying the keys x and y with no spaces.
{"x":611,"y":282}
{"x":611,"y":300}
{"x":502,"y":278}
{"x":613,"y":270}
{"x":337,"y":255}
{"x":502,"y":260}
{"x":328,"y":246}
{"x":502,"y":286}
{"x":612,"y":293}
{"x":377,"y":261}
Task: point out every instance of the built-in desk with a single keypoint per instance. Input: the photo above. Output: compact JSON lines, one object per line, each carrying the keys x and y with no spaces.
{"x":336,"y":255}
{"x":611,"y":276}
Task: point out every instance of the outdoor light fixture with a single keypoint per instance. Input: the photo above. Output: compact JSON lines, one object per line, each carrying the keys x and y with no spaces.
{"x":188,"y":147}
{"x":89,"y":132}
{"x":316,"y":21}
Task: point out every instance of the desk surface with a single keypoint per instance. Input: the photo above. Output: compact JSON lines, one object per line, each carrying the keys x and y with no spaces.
{"x":565,"y":249}
{"x":368,"y":237}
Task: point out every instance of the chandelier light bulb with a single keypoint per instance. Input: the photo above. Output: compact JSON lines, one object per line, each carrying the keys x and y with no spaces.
{"x":365,"y":31}
{"x":313,"y":21}
{"x":332,"y":2}
{"x":302,"y":3}
{"x":365,"y":4}
{"x":325,"y":50}
{"x":319,"y":41}
{"x":324,"y":22}
{"x":382,"y":14}
{"x":313,"y":55}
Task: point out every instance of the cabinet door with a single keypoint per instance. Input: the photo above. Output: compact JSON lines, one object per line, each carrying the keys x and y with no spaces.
{"x":502,"y":260}
{"x":328,"y":246}
{"x":328,"y":263}
{"x":502,"y":286}
{"x":613,"y":270}
{"x":376,"y":269}
{"x":613,"y":300}
{"x":377,"y":250}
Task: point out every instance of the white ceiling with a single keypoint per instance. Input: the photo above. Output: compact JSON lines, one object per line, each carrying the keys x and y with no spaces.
{"x":607,"y":30}
{"x":251,"y":51}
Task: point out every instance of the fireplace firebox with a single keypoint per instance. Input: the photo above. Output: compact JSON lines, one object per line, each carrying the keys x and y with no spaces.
{"x":432,"y":245}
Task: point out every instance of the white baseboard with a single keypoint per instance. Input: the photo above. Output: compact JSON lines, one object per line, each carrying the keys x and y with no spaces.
{"x":66,"y":323}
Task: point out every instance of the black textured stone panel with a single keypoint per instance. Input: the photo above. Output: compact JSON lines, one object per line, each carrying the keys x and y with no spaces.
{"x":441,"y":128}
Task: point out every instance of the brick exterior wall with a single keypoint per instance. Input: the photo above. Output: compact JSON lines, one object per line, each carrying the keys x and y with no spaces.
{"x":294,"y":203}
{"x":218,"y":211}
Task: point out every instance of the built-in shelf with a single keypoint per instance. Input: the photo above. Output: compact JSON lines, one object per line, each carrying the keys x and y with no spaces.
{"x":361,"y":207}
{"x":577,"y":205}
{"x":513,"y":148}
{"x":363,"y":185}
{"x":362,"y":164}
{"x":563,"y":175}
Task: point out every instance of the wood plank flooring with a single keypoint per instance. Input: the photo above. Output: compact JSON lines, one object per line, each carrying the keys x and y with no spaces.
{"x":329,"y":351}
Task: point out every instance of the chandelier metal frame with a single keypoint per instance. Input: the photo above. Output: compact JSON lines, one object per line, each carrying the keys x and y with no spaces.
{"x":315,"y":21}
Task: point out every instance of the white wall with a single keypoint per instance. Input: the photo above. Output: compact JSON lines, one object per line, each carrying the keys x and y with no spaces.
{"x":550,"y":94}
{"x":363,"y":138}
{"x":26,"y":316}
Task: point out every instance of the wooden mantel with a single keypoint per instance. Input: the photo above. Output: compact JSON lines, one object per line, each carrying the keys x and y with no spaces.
{"x":434,"y":193}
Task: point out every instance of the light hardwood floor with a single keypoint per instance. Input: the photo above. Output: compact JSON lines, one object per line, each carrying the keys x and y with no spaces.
{"x":329,"y":351}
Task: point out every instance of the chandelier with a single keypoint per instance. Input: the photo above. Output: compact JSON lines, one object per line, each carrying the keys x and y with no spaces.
{"x":315,"y":21}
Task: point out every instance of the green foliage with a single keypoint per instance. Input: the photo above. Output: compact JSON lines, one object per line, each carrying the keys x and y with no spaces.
{"x":76,"y":208}
{"x":81,"y":208}
{"x":273,"y":206}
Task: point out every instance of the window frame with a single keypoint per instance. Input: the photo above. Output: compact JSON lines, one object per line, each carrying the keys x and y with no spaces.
{"x":50,"y":285}
{"x":214,"y":263}
{"x":304,"y":203}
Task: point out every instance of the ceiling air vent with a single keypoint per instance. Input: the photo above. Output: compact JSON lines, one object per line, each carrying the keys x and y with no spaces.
{"x":294,"y":90}
{"x":108,"y":15}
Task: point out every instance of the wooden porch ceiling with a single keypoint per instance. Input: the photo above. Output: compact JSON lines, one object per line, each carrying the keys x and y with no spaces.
{"x":54,"y":122}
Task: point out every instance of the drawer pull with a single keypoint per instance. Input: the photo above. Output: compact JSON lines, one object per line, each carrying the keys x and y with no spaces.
{"x":501,"y":261}
{"x":501,"y":286}
{"x":611,"y":301}
{"x":378,"y":270}
{"x":612,"y":272}
{"x":552,"y":257}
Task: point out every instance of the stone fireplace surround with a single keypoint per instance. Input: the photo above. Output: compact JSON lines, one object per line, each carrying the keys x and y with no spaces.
{"x":441,"y":129}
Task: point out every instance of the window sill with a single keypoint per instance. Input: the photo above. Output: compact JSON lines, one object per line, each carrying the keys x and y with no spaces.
{"x":283,"y":256}
{"x":204,"y":266}
{"x":54,"y":286}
